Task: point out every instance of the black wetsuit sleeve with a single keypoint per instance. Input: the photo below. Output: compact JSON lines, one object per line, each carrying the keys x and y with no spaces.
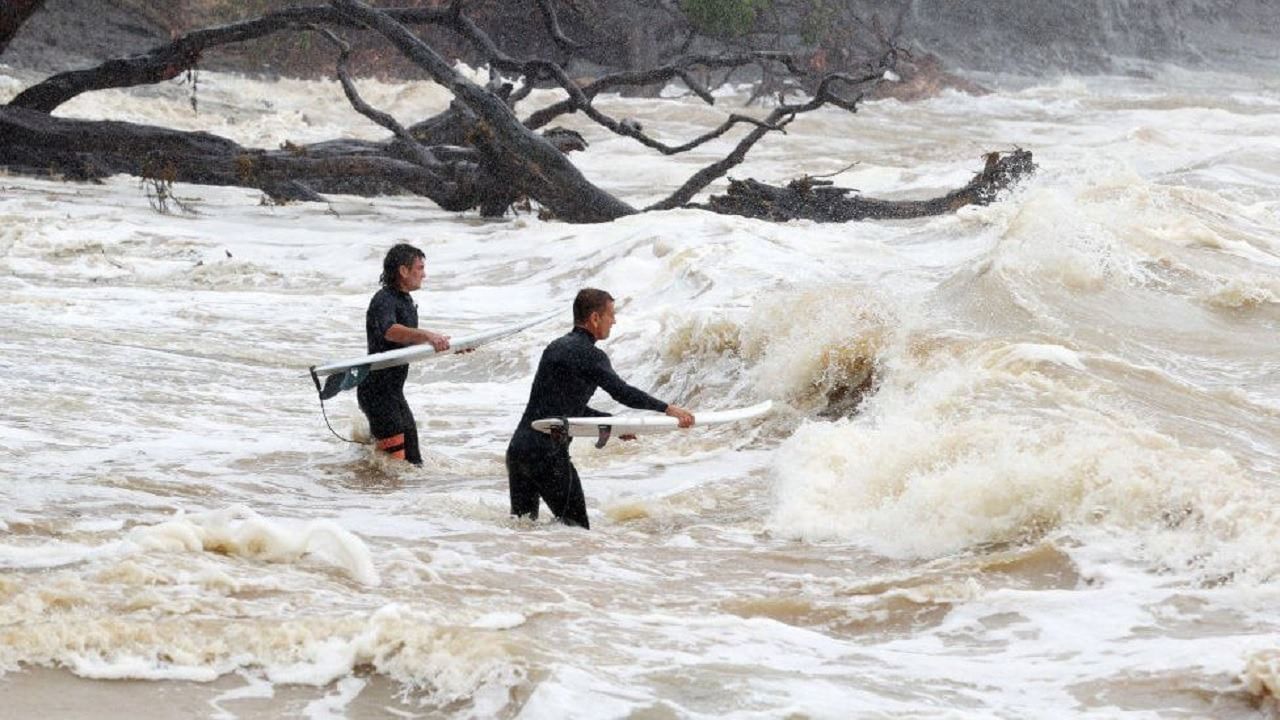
{"x":382,"y":315}
{"x":608,"y":380}
{"x":592,"y":412}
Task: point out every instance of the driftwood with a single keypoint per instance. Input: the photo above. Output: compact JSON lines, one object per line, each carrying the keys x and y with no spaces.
{"x":817,"y":200}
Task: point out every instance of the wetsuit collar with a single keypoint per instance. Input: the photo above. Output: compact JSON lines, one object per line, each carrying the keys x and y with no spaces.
{"x":585,"y":333}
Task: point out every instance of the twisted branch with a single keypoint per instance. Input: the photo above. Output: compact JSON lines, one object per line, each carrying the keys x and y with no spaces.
{"x":531,"y":161}
{"x":777,"y":120}
{"x":552,"y":21}
{"x":662,"y":74}
{"x":421,"y":154}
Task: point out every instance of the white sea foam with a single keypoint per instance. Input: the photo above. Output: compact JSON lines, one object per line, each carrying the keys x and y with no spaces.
{"x":240,"y":531}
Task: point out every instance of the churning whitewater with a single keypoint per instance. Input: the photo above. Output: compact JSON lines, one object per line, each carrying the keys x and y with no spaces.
{"x":1022,"y":460}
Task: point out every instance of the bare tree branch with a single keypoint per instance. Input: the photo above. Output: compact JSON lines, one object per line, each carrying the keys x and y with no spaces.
{"x":13,"y":14}
{"x":696,"y":87}
{"x":535,"y":165}
{"x":552,"y":22}
{"x":420,"y":153}
{"x":653,"y":76}
{"x":632,"y":129}
{"x":172,"y":59}
{"x":777,"y":120}
{"x":709,"y":174}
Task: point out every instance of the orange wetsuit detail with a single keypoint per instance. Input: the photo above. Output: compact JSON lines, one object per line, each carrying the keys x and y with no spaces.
{"x":393,"y":446}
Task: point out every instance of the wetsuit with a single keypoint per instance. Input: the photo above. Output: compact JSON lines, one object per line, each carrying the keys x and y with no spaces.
{"x":538,"y":465}
{"x":381,"y":395}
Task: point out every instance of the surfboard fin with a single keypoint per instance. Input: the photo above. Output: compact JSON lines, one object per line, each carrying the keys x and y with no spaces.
{"x":338,"y":382}
{"x":605,"y":431}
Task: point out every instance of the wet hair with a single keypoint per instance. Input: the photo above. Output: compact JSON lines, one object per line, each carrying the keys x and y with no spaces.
{"x":401,"y":255}
{"x":589,"y":300}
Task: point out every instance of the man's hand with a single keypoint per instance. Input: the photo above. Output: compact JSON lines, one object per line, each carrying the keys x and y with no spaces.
{"x":684,"y":416}
{"x":437,"y":341}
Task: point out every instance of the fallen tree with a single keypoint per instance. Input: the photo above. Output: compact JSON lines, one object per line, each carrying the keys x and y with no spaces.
{"x":818,"y":200}
{"x":92,"y":149}
{"x":477,"y":154}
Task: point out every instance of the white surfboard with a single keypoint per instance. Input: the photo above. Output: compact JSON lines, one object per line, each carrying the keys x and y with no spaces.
{"x":351,"y":372}
{"x":602,"y":428}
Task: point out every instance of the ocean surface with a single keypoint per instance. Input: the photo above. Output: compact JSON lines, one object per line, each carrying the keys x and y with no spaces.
{"x":1023,"y":460}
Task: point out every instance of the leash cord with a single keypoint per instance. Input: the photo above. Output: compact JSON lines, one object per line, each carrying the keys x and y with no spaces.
{"x":335,"y":432}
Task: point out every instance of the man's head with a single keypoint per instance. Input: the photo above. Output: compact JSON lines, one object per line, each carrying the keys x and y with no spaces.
{"x":404,"y":268}
{"x":593,"y":311}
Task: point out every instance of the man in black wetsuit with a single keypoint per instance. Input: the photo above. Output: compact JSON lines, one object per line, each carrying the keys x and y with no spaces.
{"x":392,"y":322}
{"x":571,"y":368}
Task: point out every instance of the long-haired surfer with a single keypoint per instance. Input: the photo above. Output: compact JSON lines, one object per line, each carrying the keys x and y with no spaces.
{"x":392,"y":322}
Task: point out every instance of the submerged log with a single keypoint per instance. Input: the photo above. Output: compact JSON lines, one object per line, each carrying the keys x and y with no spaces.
{"x":811,"y":199}
{"x":92,"y":149}
{"x":455,"y":178}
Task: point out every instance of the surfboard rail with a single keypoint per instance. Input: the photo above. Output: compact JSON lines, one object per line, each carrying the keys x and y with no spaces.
{"x":603,"y":427}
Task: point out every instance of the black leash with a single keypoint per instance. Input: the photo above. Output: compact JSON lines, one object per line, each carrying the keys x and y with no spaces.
{"x":330,"y":386}
{"x":335,"y":432}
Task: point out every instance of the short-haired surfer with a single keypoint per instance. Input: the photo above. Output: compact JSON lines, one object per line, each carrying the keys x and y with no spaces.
{"x":392,"y":322}
{"x":571,"y":368}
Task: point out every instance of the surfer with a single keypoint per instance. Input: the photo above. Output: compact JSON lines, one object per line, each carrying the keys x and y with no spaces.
{"x":392,"y":322}
{"x":571,"y":368}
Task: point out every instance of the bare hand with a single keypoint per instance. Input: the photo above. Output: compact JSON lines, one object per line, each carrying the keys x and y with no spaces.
{"x":684,"y":416}
{"x":437,"y":341}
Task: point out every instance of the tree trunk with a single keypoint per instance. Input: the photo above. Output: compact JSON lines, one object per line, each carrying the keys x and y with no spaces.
{"x":531,"y":162}
{"x":91,"y":149}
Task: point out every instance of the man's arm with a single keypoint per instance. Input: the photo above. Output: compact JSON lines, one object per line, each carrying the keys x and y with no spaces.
{"x":383,"y":318}
{"x":404,"y":335}
{"x":632,"y":397}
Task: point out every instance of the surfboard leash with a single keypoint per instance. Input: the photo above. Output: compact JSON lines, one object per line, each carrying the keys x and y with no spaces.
{"x":332,"y":389}
{"x":335,"y":432}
